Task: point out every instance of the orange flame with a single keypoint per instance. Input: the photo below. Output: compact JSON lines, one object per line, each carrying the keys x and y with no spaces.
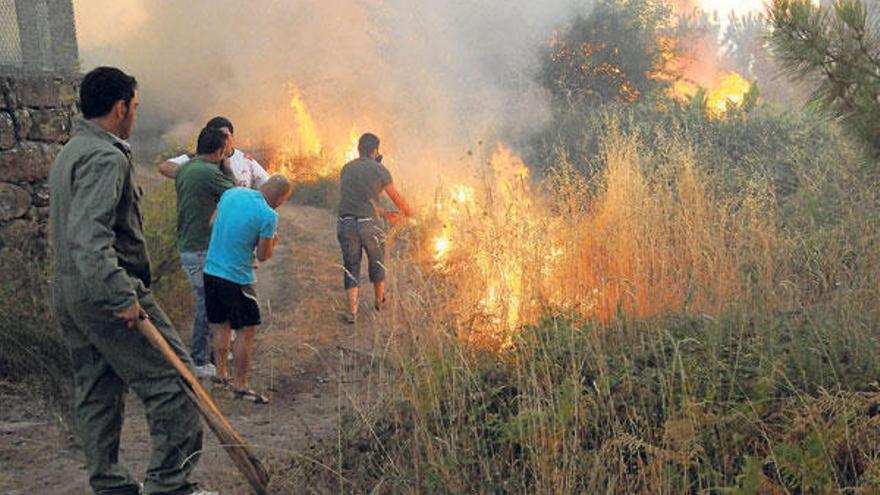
{"x":307,"y":131}
{"x":299,"y":152}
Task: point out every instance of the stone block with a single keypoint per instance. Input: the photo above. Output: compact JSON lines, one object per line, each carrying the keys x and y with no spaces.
{"x":14,"y":201}
{"x":7,"y":131}
{"x":19,"y":234}
{"x":10,"y":96}
{"x":50,"y":125}
{"x":5,"y":92}
{"x":27,"y":162}
{"x":40,"y":195}
{"x":44,"y":92}
{"x":23,"y":123}
{"x":43,"y":214}
{"x":68,"y":92}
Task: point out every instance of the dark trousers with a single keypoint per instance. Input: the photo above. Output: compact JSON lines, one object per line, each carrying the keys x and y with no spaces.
{"x":356,"y":236}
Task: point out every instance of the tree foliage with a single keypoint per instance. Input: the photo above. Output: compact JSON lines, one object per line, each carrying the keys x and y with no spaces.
{"x":838,"y":46}
{"x":620,"y":52}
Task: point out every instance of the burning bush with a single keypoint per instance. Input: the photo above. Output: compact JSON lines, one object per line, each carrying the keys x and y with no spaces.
{"x":647,"y":236}
{"x":659,"y":332}
{"x":297,"y":149}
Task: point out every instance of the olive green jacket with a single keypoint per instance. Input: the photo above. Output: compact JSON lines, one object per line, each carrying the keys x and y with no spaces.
{"x":96,"y":223}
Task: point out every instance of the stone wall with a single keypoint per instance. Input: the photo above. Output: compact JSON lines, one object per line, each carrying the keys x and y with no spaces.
{"x":36,"y":115}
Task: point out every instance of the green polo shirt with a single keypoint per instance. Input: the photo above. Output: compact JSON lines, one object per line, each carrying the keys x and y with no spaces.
{"x":199,"y":185}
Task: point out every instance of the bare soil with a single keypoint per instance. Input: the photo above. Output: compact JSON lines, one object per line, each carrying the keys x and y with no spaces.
{"x":311,"y":363}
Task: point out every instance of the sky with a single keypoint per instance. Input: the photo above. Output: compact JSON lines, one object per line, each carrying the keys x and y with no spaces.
{"x":739,"y":6}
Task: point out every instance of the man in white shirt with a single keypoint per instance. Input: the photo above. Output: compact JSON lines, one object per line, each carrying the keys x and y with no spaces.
{"x":246,"y":172}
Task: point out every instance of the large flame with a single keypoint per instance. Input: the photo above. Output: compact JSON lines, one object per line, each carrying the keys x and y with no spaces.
{"x":306,"y":130}
{"x":487,"y":238}
{"x":729,"y":93}
{"x":300,"y":152}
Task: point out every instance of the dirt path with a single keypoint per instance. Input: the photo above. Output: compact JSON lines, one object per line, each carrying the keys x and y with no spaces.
{"x":312,"y":365}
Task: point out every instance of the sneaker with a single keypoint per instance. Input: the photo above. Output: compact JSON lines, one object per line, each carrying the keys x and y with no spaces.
{"x":205,"y":371}
{"x":251,"y":396}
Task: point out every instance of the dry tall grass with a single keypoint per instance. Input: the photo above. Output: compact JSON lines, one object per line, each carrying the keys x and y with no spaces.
{"x":645,"y":238}
{"x":644,"y":332}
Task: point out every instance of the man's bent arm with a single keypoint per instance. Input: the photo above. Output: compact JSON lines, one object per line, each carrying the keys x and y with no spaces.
{"x":265,"y":248}
{"x":398,"y":200}
{"x":98,"y":185}
{"x":168,"y":169}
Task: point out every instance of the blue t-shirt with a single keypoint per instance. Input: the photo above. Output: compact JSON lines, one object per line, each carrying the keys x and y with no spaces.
{"x":243,"y":217}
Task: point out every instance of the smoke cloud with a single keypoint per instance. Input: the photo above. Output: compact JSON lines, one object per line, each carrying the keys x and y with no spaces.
{"x":430,"y":77}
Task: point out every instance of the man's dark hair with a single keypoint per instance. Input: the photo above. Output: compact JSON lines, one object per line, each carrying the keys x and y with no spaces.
{"x":367,"y":143}
{"x":218,"y":122}
{"x":211,"y":139}
{"x":102,"y":88}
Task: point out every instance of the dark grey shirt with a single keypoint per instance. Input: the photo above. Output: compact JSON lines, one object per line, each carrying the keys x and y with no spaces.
{"x":360,"y":185}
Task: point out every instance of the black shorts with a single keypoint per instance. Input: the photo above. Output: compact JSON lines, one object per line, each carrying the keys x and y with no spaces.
{"x":227,"y":301}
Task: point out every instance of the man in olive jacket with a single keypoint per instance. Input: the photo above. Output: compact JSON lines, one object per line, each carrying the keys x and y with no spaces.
{"x":101,"y":288}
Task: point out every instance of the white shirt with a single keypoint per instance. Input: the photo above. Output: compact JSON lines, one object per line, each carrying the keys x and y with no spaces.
{"x":248,"y":173}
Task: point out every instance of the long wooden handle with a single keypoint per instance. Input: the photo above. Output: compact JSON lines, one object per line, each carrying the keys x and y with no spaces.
{"x":237,"y":449}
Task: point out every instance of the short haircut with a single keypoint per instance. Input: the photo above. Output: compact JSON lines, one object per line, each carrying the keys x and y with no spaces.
{"x":211,"y":139}
{"x":102,"y":88}
{"x":367,"y":144}
{"x":277,"y":186}
{"x":218,"y":122}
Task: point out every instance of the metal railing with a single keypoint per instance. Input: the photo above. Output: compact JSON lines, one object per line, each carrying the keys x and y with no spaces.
{"x":38,"y":37}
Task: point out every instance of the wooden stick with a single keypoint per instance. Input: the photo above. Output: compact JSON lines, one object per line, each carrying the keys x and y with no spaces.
{"x":230,"y":440}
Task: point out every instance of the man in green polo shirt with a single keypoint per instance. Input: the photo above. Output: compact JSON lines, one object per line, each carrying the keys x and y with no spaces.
{"x":199,"y":183}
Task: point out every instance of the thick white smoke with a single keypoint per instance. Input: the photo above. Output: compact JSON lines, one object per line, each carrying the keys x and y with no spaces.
{"x":431,"y":77}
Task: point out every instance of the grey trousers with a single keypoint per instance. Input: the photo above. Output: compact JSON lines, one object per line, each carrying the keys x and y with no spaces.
{"x":108,"y":359}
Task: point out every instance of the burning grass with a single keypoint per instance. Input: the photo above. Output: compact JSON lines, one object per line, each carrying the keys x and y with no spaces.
{"x":300,"y":153}
{"x":645,"y":331}
{"x":648,"y":237}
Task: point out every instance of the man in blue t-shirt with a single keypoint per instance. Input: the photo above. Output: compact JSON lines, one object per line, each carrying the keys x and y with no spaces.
{"x":244,"y":219}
